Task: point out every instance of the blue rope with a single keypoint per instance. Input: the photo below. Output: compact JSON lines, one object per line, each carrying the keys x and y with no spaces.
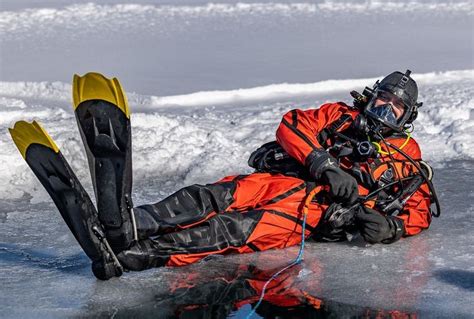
{"x":298,"y":259}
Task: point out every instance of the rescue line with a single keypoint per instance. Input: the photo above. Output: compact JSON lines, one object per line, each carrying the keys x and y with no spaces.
{"x":299,"y":257}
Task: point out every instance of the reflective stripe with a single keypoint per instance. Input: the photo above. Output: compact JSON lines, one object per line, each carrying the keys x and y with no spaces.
{"x":134,"y":225}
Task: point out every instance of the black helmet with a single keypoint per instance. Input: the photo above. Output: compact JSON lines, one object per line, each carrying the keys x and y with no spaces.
{"x":403,"y":89}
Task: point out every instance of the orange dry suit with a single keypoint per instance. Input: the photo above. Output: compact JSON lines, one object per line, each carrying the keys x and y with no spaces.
{"x":263,"y":210}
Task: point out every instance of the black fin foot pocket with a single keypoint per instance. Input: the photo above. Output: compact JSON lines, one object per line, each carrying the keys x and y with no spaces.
{"x":103,"y":117}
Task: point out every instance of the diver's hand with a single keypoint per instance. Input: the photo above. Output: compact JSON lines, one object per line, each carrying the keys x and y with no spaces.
{"x":377,"y":228}
{"x":343,"y":187}
{"x":323,"y":167}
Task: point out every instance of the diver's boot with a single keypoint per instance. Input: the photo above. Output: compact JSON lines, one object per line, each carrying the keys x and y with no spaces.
{"x":143,"y":254}
{"x":103,"y":117}
{"x":75,"y":206}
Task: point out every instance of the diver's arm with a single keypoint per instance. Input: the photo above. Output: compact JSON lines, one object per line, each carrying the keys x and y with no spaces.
{"x":298,"y":132}
{"x":379,"y":228}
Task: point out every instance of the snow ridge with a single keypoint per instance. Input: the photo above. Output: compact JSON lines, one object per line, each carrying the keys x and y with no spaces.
{"x":61,"y":92}
{"x":288,"y":91}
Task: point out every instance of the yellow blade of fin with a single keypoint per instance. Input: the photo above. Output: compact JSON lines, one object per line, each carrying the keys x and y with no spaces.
{"x":24,"y":134}
{"x":95,"y":86}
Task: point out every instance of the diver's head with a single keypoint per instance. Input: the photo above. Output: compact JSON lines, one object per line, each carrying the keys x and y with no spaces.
{"x":394,"y":104}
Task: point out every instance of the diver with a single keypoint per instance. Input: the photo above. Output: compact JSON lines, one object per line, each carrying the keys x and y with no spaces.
{"x":356,"y":168}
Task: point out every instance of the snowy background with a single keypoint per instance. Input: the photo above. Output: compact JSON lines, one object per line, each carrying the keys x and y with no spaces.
{"x":208,"y":83}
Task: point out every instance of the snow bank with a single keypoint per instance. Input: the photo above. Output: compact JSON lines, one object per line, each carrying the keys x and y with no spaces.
{"x":61,"y":92}
{"x":288,"y":91}
{"x":200,"y":137}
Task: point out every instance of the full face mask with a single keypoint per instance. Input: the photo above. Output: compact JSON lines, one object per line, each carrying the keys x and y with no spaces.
{"x":388,"y":110}
{"x":383,"y":113}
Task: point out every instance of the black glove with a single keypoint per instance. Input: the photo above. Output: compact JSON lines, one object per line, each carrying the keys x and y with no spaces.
{"x":323,"y":167}
{"x":377,"y":228}
{"x":343,"y":186}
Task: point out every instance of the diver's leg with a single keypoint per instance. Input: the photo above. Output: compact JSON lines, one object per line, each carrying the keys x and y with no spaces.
{"x":196,"y":203}
{"x":275,"y":222}
{"x":220,"y":234}
{"x":185,"y":208}
{"x":103,"y":118}
{"x":231,"y":232}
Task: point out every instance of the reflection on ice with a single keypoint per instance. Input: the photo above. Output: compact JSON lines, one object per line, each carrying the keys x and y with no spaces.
{"x":235,"y":291}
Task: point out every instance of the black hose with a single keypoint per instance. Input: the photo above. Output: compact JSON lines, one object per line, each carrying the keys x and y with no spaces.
{"x":378,"y":190}
{"x":422,"y":173}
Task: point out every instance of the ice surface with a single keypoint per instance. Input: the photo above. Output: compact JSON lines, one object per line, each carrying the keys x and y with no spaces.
{"x":207,"y":84}
{"x":431,"y":275}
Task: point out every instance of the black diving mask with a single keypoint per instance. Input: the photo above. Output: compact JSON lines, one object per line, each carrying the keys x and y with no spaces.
{"x":384,"y":108}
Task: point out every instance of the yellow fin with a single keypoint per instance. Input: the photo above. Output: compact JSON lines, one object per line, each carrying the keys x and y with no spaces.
{"x":95,"y":86}
{"x":24,"y":134}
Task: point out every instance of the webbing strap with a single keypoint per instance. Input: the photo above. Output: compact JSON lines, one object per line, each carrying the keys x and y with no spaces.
{"x":327,"y":132}
{"x":253,"y":247}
